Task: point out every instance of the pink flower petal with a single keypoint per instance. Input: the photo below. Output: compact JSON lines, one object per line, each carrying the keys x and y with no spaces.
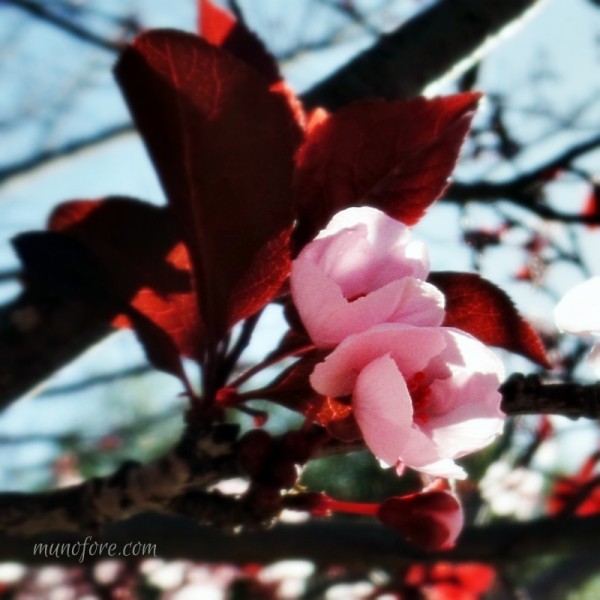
{"x":330,"y":318}
{"x":464,"y":351}
{"x":345,"y":258}
{"x":455,"y":396}
{"x":579,"y":310}
{"x":464,"y":412}
{"x":362,"y":271}
{"x":366,"y":254}
{"x":319,"y":301}
{"x":408,"y":301}
{"x":474,"y":374}
{"x":383,"y":408}
{"x":421,"y":453}
{"x":466,"y":429}
{"x":388,"y":240}
{"x":411,"y":302}
{"x":411,"y":347}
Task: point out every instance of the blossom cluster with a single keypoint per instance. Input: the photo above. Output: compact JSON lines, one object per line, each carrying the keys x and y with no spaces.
{"x":422,"y":394}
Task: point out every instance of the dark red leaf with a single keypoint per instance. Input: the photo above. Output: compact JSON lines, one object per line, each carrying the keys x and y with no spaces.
{"x":223,"y":146}
{"x":61,"y":265}
{"x":214,"y":23}
{"x":482,"y":309}
{"x":161,"y":349}
{"x":220,"y":28}
{"x":396,"y":156}
{"x":67,"y":268}
{"x":144,"y":262}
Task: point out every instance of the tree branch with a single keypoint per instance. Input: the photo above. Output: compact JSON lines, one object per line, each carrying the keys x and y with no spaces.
{"x":327,"y":542}
{"x":10,"y":275}
{"x":174,"y":483}
{"x":525,"y":190}
{"x":527,"y":395}
{"x":426,"y":48}
{"x":104,"y":379}
{"x":25,"y":167}
{"x":40,"y":333}
{"x":177,"y":482}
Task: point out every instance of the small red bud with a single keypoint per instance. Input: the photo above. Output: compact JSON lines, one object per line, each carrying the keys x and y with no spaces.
{"x":227,"y":396}
{"x":431,"y":519}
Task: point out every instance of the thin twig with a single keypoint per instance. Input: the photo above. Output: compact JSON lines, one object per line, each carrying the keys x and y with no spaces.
{"x":103,"y":379}
{"x":26,"y":166}
{"x":527,"y":395}
{"x":42,"y":13}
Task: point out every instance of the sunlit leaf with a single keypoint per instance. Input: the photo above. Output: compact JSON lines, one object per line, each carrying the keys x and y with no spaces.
{"x":144,"y":261}
{"x":223,"y":146}
{"x":396,"y":156}
{"x":482,"y":309}
{"x":220,"y":28}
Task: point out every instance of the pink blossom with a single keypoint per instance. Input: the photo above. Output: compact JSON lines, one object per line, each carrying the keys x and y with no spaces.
{"x":363,"y":270}
{"x":422,"y":396}
{"x":432,"y":518}
{"x":579,"y":313}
